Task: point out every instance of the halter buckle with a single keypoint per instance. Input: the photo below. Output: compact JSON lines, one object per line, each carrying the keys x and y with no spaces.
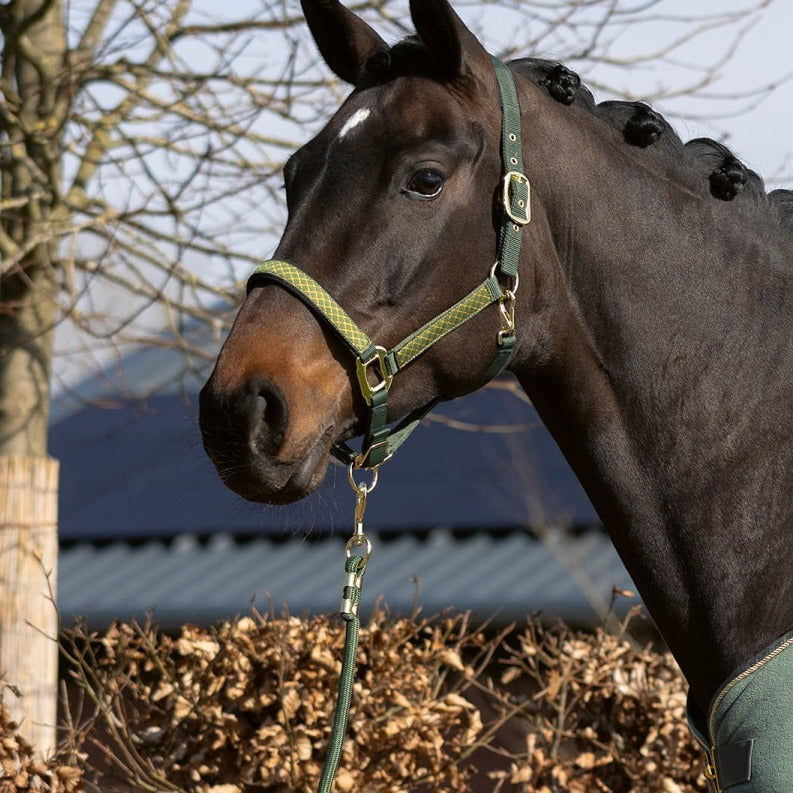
{"x":517,"y":186}
{"x":362,"y":367}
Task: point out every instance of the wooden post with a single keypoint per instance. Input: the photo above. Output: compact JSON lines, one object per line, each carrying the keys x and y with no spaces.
{"x":28,"y":577}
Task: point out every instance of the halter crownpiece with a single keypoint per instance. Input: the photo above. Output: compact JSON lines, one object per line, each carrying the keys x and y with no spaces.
{"x":377,"y":366}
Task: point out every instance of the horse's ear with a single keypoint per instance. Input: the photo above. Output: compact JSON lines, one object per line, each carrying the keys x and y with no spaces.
{"x":454,"y":47}
{"x":344,"y":41}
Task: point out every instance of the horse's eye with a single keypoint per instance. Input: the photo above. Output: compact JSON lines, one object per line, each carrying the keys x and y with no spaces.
{"x":425,"y":183}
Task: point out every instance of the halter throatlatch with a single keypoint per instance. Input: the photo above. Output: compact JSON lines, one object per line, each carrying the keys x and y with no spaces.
{"x":376,"y":366}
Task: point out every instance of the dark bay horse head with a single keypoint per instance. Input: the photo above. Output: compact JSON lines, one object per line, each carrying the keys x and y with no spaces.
{"x":391,"y":209}
{"x":654,"y":316}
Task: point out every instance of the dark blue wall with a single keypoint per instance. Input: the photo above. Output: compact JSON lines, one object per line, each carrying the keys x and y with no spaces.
{"x":138,"y":470}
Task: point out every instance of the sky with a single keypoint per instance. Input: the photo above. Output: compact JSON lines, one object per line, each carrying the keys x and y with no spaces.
{"x":763,"y":137}
{"x":760,"y":134}
{"x":758,"y":129}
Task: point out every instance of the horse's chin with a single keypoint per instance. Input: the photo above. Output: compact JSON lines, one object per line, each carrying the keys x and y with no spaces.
{"x":268,"y":480}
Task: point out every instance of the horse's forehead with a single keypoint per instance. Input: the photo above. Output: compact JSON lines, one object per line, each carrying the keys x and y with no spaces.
{"x":354,"y":120}
{"x":410,"y":105}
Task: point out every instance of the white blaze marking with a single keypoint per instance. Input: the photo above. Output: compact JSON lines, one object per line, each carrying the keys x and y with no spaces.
{"x":355,"y":120}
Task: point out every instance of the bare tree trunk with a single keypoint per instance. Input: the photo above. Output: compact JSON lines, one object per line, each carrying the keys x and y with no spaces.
{"x":28,"y":617}
{"x":34,"y":72}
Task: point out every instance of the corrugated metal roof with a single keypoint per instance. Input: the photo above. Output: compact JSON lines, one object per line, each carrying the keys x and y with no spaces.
{"x":186,"y":581}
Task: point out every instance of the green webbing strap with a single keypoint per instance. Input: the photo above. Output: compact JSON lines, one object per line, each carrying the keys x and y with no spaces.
{"x":516,"y":190}
{"x":500,"y":360}
{"x":306,"y":288}
{"x":420,"y":341}
{"x":380,"y":441}
{"x":386,"y":445}
{"x":353,"y":595}
{"x":404,"y":353}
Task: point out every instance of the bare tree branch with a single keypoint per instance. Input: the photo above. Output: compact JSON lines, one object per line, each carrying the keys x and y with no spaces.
{"x":141,"y":153}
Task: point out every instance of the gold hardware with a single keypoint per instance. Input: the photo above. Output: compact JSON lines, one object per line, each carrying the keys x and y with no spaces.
{"x":711,"y":774}
{"x":362,"y":490}
{"x":361,"y":487}
{"x":350,"y":606}
{"x":516,"y":281}
{"x":506,"y":308}
{"x":357,"y":541}
{"x":359,"y":538}
{"x":362,"y":367}
{"x":512,"y":178}
{"x":360,"y":459}
{"x":360,"y":509}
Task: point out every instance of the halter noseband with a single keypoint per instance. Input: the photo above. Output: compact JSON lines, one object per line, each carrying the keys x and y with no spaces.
{"x":374,"y":362}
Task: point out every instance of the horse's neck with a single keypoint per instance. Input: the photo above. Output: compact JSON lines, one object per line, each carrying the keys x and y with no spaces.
{"x":669,"y":393}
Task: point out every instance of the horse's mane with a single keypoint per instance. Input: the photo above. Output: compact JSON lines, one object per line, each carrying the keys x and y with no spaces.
{"x":706,"y":165}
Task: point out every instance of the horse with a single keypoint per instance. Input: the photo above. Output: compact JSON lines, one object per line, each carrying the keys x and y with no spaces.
{"x":648,"y":317}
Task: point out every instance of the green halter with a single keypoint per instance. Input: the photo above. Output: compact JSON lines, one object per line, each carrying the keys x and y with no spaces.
{"x":376,"y":366}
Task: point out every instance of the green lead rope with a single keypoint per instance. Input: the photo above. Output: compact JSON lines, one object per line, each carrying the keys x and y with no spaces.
{"x":352,"y":595}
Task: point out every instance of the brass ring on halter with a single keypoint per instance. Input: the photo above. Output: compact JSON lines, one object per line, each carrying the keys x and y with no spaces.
{"x":361,"y":488}
{"x":516,"y":280}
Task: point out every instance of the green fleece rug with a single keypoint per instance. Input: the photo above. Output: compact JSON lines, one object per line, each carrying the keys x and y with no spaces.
{"x":747,"y":735}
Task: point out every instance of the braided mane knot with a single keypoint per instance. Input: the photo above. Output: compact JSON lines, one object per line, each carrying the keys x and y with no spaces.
{"x":562,"y":84}
{"x":728,"y":179}
{"x":644,"y":126}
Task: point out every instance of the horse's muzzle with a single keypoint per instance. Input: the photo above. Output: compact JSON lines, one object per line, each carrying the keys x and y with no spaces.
{"x":244,"y":433}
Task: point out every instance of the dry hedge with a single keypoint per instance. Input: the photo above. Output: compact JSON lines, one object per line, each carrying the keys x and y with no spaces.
{"x":439,"y":705}
{"x":22,"y":768}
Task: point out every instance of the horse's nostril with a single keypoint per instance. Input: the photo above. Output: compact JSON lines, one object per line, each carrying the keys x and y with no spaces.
{"x":268,"y":415}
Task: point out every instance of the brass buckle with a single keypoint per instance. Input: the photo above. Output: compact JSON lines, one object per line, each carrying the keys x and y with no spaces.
{"x":512,"y":178}
{"x":367,"y":389}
